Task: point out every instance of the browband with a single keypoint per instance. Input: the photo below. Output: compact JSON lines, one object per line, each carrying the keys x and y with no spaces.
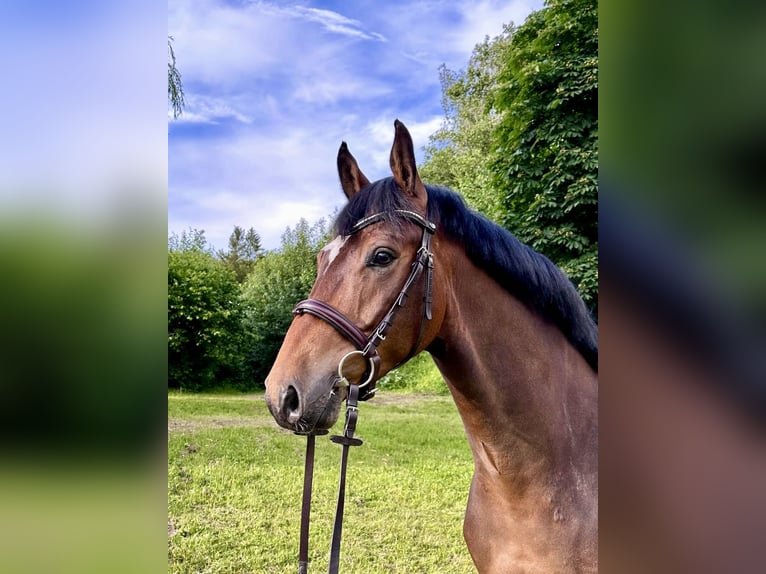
{"x":411,"y":215}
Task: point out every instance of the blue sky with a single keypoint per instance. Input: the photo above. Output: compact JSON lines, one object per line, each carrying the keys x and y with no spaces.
{"x":273,"y":88}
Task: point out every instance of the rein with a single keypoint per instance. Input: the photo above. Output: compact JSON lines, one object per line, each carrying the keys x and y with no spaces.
{"x":367,"y":348}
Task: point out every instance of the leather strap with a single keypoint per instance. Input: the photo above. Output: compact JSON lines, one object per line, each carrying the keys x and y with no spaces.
{"x":347,"y":440}
{"x":411,"y":215}
{"x":308,"y":479}
{"x":335,"y":318}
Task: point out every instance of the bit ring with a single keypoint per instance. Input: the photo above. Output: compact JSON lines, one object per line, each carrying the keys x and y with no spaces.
{"x":343,"y":360}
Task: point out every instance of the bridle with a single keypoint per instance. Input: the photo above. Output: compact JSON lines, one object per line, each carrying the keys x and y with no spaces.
{"x":367,"y":346}
{"x":364,"y":389}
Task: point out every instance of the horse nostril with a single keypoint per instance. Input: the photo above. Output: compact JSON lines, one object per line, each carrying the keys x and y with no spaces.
{"x":291,"y":404}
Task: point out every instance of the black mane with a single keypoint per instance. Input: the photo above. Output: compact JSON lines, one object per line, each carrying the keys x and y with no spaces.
{"x":527,"y":275}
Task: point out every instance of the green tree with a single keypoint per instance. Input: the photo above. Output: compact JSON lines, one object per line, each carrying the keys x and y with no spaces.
{"x":190,"y":240}
{"x":279,"y":280}
{"x":546,"y":161}
{"x":175,"y":85}
{"x":206,"y":339}
{"x":243,"y":252}
{"x":459,"y":154}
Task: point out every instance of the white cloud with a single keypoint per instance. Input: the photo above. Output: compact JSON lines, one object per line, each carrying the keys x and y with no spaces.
{"x":334,"y":22}
{"x":326,"y":89}
{"x":222,"y":45}
{"x":254,"y":178}
{"x":208,"y":110}
{"x":486,"y":18}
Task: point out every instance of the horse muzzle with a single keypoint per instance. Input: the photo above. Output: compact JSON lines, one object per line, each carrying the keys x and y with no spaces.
{"x":300,"y":408}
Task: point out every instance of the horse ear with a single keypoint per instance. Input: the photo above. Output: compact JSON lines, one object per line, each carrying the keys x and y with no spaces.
{"x":351,"y":177}
{"x":403,"y":166}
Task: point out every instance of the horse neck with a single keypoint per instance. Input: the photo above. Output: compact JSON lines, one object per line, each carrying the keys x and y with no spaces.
{"x":527,"y":398}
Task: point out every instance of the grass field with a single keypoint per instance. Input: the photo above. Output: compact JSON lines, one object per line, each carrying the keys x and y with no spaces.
{"x":235,"y":479}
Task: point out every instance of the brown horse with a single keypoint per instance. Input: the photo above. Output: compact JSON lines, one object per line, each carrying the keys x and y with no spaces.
{"x":509,"y":333}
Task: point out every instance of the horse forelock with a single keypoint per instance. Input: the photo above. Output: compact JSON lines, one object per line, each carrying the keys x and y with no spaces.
{"x":524,"y":273}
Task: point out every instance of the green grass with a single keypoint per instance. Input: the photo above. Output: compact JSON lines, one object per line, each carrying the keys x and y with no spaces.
{"x":235,"y":480}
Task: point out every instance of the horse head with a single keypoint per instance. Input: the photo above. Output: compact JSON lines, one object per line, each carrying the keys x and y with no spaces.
{"x":374,"y":303}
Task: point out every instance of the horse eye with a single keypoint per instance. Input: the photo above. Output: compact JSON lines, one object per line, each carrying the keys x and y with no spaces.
{"x":382,"y":258}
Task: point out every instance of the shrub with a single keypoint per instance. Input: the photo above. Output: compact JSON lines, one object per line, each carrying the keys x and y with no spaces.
{"x":205,"y":334}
